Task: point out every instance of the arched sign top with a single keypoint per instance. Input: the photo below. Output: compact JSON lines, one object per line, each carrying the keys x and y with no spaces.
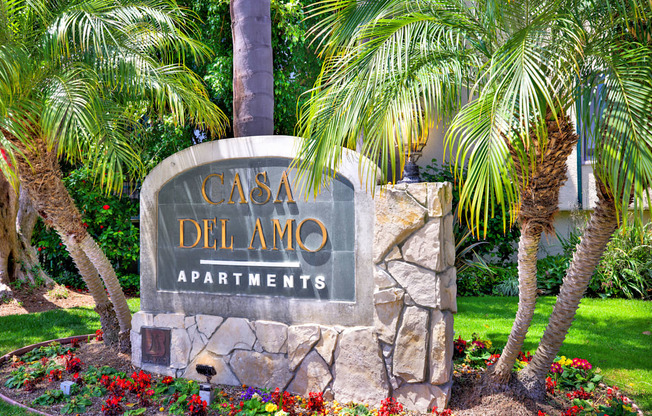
{"x":227,"y":225}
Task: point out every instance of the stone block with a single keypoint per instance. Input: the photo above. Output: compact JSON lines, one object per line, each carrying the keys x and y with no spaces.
{"x":224,"y":374}
{"x":136,"y":348}
{"x":410,"y":350}
{"x":180,"y":347}
{"x":441,"y":347}
{"x":422,"y":397}
{"x":207,"y":324}
{"x":421,"y":284}
{"x":388,"y":305}
{"x":272,"y":336}
{"x":426,"y":246}
{"x":234,"y":333}
{"x":301,"y":339}
{"x":261,"y":369}
{"x":382,"y":280}
{"x":327,"y":343}
{"x":448,"y":289}
{"x":440,"y":199}
{"x":397,"y":216}
{"x":419,"y":191}
{"x":189,"y":321}
{"x":394,"y":254}
{"x":198,"y":342}
{"x":140,"y":319}
{"x":359,"y":370}
{"x":312,"y":376}
{"x":170,"y":320}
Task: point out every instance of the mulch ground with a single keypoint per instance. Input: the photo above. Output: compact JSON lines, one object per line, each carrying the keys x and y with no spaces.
{"x":29,"y":300}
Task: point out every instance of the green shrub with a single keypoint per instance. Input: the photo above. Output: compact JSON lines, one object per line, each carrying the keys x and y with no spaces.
{"x":482,"y":281}
{"x":550,"y":273}
{"x":108,"y":220}
{"x":625,"y":269}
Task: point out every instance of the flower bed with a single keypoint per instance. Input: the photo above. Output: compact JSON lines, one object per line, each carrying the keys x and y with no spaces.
{"x":35,"y":377}
{"x":572,"y":384}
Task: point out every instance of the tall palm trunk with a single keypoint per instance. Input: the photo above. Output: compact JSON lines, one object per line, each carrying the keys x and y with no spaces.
{"x":597,"y":234}
{"x":539,"y":203}
{"x":39,"y":172}
{"x":103,"y":305}
{"x":18,"y":259}
{"x":253,"y":77}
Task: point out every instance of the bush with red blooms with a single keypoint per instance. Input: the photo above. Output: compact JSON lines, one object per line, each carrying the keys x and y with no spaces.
{"x":550,"y":385}
{"x":389,"y":407}
{"x":142,"y":382}
{"x":445,"y":412}
{"x":315,"y":403}
{"x":99,"y":335}
{"x":526,"y":358}
{"x":167,"y":380}
{"x":573,"y":411}
{"x":55,"y":375}
{"x":459,"y":346}
{"x":579,"y":394}
{"x":112,"y":406}
{"x":542,"y":413}
{"x":29,"y":384}
{"x":284,"y":401}
{"x":73,"y":364}
{"x":492,"y":359}
{"x":75,"y":342}
{"x":196,"y":406}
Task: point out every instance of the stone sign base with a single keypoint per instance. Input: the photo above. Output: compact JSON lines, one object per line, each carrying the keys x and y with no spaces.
{"x":406,"y":354}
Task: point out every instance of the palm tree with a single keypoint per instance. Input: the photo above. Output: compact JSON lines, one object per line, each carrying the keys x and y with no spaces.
{"x":253,"y":75}
{"x":76,"y":79}
{"x":615,"y":104}
{"x":406,"y":63}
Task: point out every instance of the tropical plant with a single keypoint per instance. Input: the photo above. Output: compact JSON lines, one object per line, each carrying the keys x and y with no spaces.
{"x":394,"y":68}
{"x":613,"y":99}
{"x":76,"y":79}
{"x":625,"y":268}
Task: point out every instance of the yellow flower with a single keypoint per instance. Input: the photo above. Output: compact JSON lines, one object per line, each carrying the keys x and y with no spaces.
{"x":270,"y":407}
{"x":488,"y":344}
{"x":162,"y":409}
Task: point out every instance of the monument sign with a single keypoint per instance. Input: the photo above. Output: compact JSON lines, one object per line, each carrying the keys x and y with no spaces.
{"x":344,"y":294}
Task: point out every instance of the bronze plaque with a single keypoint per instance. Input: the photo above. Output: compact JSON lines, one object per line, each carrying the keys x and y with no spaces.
{"x":156,"y":346}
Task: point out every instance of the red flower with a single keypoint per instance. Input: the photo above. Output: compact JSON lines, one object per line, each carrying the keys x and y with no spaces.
{"x":101,"y":226}
{"x":40,"y":248}
{"x":105,"y":207}
{"x":85,"y":225}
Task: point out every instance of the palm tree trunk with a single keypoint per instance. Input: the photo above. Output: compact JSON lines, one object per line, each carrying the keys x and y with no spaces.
{"x":528,"y":246}
{"x":253,"y":77}
{"x":104,"y":267}
{"x":597,"y":234}
{"x":39,"y":172}
{"x":539,"y":202}
{"x":103,"y":305}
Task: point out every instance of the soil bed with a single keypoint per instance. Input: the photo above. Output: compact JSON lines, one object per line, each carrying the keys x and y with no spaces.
{"x":466,"y":401}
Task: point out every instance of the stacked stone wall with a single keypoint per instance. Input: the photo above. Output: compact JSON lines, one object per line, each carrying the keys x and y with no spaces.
{"x":406,"y":354}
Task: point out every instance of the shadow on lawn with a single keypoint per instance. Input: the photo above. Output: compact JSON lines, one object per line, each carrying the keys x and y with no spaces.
{"x":20,"y":330}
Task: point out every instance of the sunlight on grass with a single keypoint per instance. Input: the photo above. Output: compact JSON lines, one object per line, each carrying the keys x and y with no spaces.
{"x":607,"y":332}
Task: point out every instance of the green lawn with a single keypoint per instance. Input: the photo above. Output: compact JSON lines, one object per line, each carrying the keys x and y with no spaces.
{"x":608,"y":333}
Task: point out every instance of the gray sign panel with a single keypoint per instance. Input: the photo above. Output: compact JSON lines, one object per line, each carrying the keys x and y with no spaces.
{"x":237,"y":226}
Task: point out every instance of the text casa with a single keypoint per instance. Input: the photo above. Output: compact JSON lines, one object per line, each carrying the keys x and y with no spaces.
{"x":268,"y":234}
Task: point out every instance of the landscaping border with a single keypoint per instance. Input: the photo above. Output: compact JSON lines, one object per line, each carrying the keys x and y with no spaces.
{"x":23,"y":350}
